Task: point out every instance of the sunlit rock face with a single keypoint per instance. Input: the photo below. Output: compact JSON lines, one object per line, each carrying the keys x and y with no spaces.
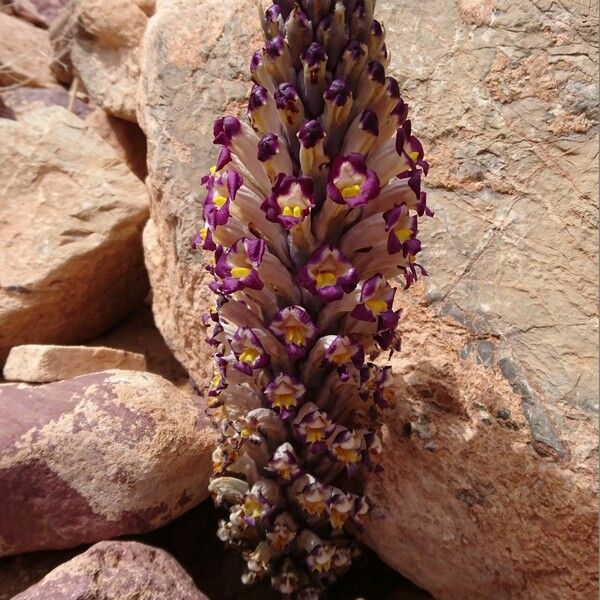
{"x":497,"y":435}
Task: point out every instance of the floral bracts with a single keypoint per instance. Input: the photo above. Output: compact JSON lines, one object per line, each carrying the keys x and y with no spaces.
{"x":311,"y":214}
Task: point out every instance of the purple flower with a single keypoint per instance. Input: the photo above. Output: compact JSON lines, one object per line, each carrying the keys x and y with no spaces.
{"x":342,"y":352}
{"x":402,"y":230}
{"x":284,"y":463}
{"x":238,"y":266}
{"x":351,"y":182}
{"x":249,"y":351}
{"x":376,"y":299}
{"x":285,"y":394}
{"x":312,"y":426}
{"x":290,"y":201}
{"x":221,"y":191}
{"x":294,"y":328}
{"x":328,"y":274}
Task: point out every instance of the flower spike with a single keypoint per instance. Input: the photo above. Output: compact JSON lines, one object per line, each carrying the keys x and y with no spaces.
{"x":312,"y":211}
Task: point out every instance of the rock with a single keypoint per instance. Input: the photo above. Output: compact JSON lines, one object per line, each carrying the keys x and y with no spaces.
{"x":138,"y":333}
{"x":5,"y":111}
{"x":117,"y":571}
{"x":61,"y":34}
{"x":77,"y":267}
{"x":511,"y":139}
{"x":504,"y":96}
{"x":466,"y":506}
{"x":105,"y":53}
{"x":38,"y":12}
{"x":36,"y":363}
{"x":98,"y":456}
{"x":24,"y":54}
{"x":184,"y":66}
{"x":24,"y":99}
{"x":125,"y":138}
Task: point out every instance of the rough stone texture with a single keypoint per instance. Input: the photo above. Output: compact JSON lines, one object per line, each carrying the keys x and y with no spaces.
{"x":190,"y":75}
{"x":61,"y":34}
{"x":97,"y":456}
{"x":505,"y":96}
{"x":71,"y":260}
{"x":493,"y":494}
{"x":105,"y":53}
{"x":24,"y":54}
{"x":37,"y":363}
{"x":138,"y":333}
{"x":117,"y":571}
{"x":125,"y":138}
{"x":467,"y":507}
{"x":26,"y":99}
{"x":39,"y":12}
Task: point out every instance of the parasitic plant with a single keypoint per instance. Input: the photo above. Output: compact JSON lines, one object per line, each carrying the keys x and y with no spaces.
{"x":311,"y":212}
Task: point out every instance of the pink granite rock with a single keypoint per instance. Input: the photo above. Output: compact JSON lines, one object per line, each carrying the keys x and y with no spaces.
{"x":40,"y":363}
{"x":116,"y":571}
{"x":98,"y":456}
{"x":39,"y":12}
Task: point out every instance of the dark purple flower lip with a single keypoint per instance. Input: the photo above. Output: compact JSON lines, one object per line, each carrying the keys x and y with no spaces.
{"x":369,"y":122}
{"x":328,"y":274}
{"x":290,"y":201}
{"x":311,"y":134}
{"x":376,"y":28}
{"x":351,"y":182}
{"x":275,"y":47}
{"x":355,"y":49}
{"x":294,"y":328}
{"x":268,"y":146}
{"x":314,"y":55}
{"x":286,"y":97}
{"x":338,"y":92}
{"x":376,"y":71}
{"x":225,"y":129}
{"x":238,"y":266}
{"x":258,"y":97}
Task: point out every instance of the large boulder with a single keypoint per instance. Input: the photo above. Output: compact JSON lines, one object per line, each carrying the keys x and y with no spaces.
{"x":71,"y":261}
{"x":490,"y":483}
{"x":117,"y":571}
{"x":194,"y":67}
{"x":98,"y":456}
{"x":25,"y":54}
{"x":38,"y":12}
{"x":24,"y":99}
{"x":470,"y":505}
{"x":124,"y":137}
{"x":39,"y":363}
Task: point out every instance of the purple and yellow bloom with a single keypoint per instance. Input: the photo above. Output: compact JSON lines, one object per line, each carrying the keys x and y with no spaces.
{"x":285,"y":394}
{"x":328,"y":274}
{"x":294,"y":328}
{"x":402,"y":229}
{"x":342,"y":352}
{"x":376,"y":300}
{"x":351,"y":182}
{"x":238,"y":267}
{"x":284,"y":463}
{"x":312,"y":426}
{"x":290,"y":201}
{"x":249,"y":351}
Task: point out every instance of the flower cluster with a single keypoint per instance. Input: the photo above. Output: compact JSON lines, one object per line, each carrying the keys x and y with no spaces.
{"x":311,"y":213}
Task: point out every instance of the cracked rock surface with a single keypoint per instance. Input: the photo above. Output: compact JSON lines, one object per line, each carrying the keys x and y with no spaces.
{"x":490,"y":481}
